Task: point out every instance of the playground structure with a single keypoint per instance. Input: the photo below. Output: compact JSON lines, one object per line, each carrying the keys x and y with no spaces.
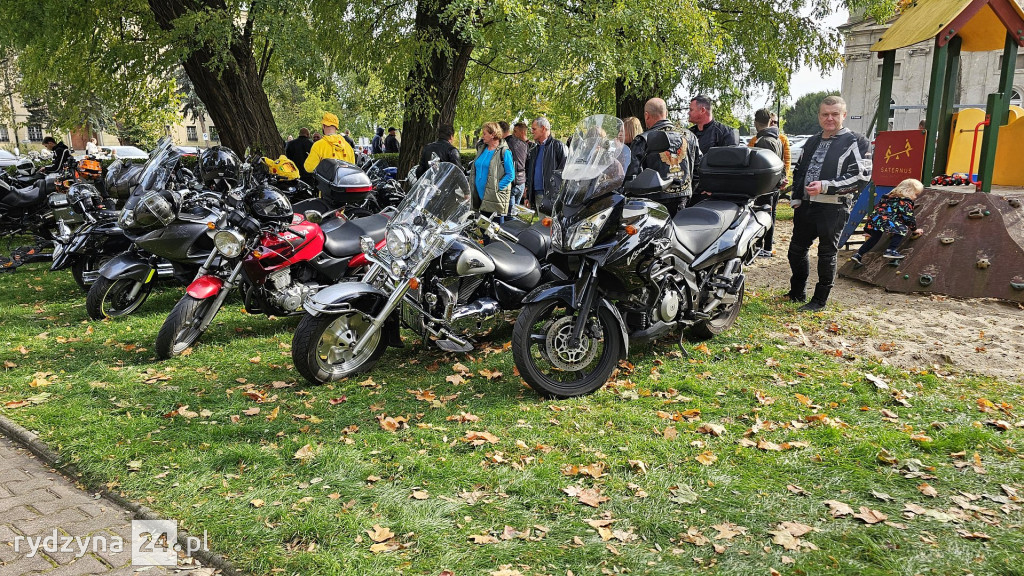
{"x":973,"y":241}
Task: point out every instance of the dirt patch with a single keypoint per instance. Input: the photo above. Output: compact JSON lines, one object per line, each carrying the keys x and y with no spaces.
{"x":913,"y":331}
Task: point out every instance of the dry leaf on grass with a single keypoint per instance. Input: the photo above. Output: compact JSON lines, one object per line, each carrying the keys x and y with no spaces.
{"x":838,"y":509}
{"x":483,"y":539}
{"x":304,"y":453}
{"x":870,"y":516}
{"x":928,"y":490}
{"x":712,"y":429}
{"x":706,"y":458}
{"x":728,"y":531}
{"x":480,"y":438}
{"x":380,"y":534}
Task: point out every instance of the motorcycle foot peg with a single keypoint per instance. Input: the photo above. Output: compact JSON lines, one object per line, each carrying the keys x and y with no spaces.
{"x":736,"y":283}
{"x":452,"y":346}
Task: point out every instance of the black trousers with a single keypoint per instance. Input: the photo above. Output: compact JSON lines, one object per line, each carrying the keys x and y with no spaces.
{"x":824,"y":223}
{"x":874,"y":236}
{"x":768,"y":240}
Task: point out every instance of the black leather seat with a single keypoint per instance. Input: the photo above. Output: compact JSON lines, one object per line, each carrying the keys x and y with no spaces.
{"x":342,"y":238}
{"x":25,"y":197}
{"x":536,"y":239}
{"x":519,"y":269}
{"x":699,"y":226}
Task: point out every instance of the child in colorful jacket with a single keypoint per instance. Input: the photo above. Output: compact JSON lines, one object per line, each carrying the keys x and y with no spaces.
{"x":894,"y":214}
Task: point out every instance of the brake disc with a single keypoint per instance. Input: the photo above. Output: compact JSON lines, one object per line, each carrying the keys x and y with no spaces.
{"x":563,"y":356}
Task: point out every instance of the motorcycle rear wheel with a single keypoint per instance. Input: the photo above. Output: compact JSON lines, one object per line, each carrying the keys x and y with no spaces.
{"x":86,"y":270}
{"x":182,"y":329}
{"x":723,"y":320}
{"x":321,"y":347}
{"x":549,"y":365}
{"x":113,"y":298}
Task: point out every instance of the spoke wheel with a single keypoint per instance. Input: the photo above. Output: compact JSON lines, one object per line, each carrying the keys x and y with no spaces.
{"x":322,"y":348}
{"x":113,"y":298}
{"x":551,"y":363}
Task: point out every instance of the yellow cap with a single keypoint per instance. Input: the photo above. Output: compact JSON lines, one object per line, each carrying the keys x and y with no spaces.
{"x":329,"y":120}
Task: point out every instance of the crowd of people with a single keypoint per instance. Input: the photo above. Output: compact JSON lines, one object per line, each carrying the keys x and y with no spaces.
{"x":511,"y":169}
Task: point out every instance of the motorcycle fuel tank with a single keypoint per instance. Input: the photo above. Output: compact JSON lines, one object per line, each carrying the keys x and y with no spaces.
{"x":466,"y":259}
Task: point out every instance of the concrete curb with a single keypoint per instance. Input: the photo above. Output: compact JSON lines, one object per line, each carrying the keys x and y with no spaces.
{"x":30,"y":441}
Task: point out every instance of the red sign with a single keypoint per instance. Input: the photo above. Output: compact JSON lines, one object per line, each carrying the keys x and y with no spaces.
{"x":897,"y":156}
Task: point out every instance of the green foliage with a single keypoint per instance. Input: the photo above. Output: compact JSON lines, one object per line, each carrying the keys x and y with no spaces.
{"x":802,"y":118}
{"x":466,"y":157}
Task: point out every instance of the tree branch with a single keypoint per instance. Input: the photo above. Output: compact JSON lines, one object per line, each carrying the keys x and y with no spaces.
{"x":493,"y":69}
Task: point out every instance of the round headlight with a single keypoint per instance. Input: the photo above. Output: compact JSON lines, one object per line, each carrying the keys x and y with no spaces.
{"x":399,"y":268}
{"x":229,"y":243}
{"x":401,"y":241}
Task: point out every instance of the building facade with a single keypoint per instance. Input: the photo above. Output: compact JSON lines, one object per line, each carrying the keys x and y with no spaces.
{"x":862,"y":77}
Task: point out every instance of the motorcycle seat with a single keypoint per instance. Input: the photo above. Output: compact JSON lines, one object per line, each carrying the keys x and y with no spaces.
{"x":697,"y":227}
{"x":25,"y":197}
{"x":518,"y":269}
{"x":343,"y":240}
{"x":536,"y":239}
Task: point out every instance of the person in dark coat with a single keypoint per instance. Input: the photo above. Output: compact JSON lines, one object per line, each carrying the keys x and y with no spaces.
{"x":767,"y":137}
{"x":541,"y":162}
{"x":377,"y":144}
{"x":516,"y":140}
{"x":443,"y":148}
{"x":61,"y":155}
{"x":391,"y":142}
{"x":297,"y":150}
{"x":678,"y":163}
{"x":348,"y":138}
{"x":709,"y":132}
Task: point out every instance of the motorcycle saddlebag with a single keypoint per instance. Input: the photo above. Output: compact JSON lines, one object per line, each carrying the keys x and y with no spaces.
{"x":342,"y":183}
{"x":740,"y":171}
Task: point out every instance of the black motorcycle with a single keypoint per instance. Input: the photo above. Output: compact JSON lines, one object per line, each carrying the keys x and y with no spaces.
{"x":634,"y":272}
{"x":429,"y":276}
{"x":96,"y":236}
{"x":165,"y":223}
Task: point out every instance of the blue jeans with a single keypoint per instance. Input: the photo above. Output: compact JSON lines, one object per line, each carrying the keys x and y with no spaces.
{"x":516,"y":197}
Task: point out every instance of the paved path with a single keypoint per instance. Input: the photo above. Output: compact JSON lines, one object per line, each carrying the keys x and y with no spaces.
{"x":35,"y":501}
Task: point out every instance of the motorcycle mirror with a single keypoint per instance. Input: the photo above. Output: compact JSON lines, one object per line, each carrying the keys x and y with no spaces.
{"x":313,"y":216}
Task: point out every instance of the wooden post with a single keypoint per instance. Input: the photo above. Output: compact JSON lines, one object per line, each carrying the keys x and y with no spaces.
{"x":933,"y":115}
{"x":885,"y":93}
{"x":997,"y":111}
{"x":948,"y":100}
{"x":1006,"y":75}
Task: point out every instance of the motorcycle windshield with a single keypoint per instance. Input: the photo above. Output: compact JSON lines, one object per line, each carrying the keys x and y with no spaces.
{"x":597,"y":160}
{"x":433,"y":212}
{"x":161,"y":165}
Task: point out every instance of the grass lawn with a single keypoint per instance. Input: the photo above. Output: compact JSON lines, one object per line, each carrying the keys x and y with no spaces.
{"x":683,"y":465}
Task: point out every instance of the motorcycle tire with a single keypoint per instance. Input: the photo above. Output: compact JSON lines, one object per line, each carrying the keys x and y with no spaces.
{"x":113,"y":298}
{"x":320,"y":344}
{"x":720,"y":322}
{"x":551,"y":372}
{"x":181,"y":328}
{"x":86,"y":270}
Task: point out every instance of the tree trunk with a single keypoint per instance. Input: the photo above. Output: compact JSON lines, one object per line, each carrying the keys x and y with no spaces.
{"x":628,"y":103}
{"x":234,"y":98}
{"x":433,"y":84}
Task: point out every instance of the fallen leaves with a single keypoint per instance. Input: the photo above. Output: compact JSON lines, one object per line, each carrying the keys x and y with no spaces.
{"x":587,"y":496}
{"x":392,"y":424}
{"x":838,"y":509}
{"x":787,"y":535}
{"x":707,"y":458}
{"x":711,"y":429}
{"x":475,"y":438}
{"x":928,"y":490}
{"x":305,"y":453}
{"x":870,"y":516}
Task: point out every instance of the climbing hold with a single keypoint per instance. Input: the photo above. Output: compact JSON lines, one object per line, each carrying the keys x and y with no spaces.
{"x":953,"y":203}
{"x":987,"y":212}
{"x":1018,"y":286}
{"x":976,"y":213}
{"x":1015,"y":202}
{"x":906,"y":276}
{"x":947,"y":240}
{"x":983,"y":263}
{"x":925,"y":280}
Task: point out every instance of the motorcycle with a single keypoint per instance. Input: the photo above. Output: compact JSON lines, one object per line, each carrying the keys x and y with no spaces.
{"x":165,"y":220}
{"x":276,"y":257}
{"x":635,"y":272}
{"x":95,"y":239}
{"x":428,"y":276}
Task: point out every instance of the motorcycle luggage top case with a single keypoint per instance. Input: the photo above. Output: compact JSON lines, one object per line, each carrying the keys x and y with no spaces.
{"x":342,"y":183}
{"x":740,"y":171}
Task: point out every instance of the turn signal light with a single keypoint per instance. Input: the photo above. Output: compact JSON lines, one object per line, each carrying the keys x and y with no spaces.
{"x":414,"y":283}
{"x":211,"y":225}
{"x":631,"y":230}
{"x":257,"y":254}
{"x":546,"y":222}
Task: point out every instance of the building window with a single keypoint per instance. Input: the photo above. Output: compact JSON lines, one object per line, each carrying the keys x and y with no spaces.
{"x":895,"y":71}
{"x":35,"y":133}
{"x":1015,"y":99}
{"x":214,"y":135}
{"x":191,"y":134}
{"x":4,"y":137}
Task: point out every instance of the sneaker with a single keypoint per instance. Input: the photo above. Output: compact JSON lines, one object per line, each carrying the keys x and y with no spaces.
{"x":764,"y":253}
{"x":856,"y":259}
{"x":812,"y":306}
{"x":892,"y":254}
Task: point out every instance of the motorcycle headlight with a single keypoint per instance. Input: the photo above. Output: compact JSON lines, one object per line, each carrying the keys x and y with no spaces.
{"x":583,"y":234}
{"x":229,"y":243}
{"x":127,"y":219}
{"x":556,"y":234}
{"x":366,"y":244}
{"x":401,"y":241}
{"x":399,"y":268}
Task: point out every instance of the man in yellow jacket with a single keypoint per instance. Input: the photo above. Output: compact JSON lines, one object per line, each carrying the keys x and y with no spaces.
{"x":332,"y":145}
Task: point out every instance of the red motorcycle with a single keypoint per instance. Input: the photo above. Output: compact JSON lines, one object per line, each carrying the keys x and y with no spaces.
{"x":277,"y":259}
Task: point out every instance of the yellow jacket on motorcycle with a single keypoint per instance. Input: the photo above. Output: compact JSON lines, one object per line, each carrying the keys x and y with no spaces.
{"x":333,"y":146}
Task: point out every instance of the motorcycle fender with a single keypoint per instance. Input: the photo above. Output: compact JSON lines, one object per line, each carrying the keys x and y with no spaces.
{"x":567,"y":293}
{"x":127,"y":265}
{"x":62,"y":260}
{"x":604,"y":303}
{"x":366,"y":297}
{"x":204,"y":287}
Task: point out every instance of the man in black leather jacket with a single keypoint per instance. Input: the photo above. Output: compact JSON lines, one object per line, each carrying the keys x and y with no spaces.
{"x":679,"y":162}
{"x":541,"y":162}
{"x":442,"y":147}
{"x":61,"y":154}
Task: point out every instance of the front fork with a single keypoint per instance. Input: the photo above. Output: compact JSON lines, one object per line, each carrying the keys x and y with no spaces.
{"x":585,"y":294}
{"x":378,"y":321}
{"x":225,"y":289}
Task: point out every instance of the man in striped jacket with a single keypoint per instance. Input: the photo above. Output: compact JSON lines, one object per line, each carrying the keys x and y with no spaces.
{"x":826,"y":182}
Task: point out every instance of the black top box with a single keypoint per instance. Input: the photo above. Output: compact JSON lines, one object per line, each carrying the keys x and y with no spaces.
{"x":740,"y":171}
{"x":342,"y":183}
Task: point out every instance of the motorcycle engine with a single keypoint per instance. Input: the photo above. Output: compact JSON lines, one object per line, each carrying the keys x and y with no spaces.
{"x":668,"y":307}
{"x":287,"y":295}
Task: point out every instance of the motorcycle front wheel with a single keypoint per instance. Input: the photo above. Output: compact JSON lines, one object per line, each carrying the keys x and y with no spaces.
{"x":182,"y":329}
{"x":550,"y":365}
{"x":114,"y":298}
{"x":322,"y":346}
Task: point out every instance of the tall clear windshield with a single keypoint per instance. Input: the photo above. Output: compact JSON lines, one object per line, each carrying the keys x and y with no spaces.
{"x":597,"y":159}
{"x":161,"y":165}
{"x":435,"y":209}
